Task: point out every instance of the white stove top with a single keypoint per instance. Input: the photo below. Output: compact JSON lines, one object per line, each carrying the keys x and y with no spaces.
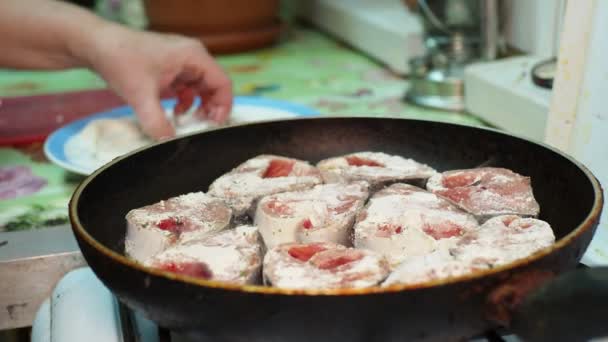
{"x":81,"y":308}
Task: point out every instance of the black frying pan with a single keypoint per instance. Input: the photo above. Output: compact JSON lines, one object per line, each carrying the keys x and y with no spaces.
{"x":569,"y":195}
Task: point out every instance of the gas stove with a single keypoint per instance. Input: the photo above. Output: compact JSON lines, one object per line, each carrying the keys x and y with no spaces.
{"x":81,"y":308}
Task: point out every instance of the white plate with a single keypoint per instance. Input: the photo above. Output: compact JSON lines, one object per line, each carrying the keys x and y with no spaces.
{"x":245,"y":109}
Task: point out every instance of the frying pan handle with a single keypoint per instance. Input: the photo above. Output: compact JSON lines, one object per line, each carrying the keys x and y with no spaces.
{"x":570,"y":307}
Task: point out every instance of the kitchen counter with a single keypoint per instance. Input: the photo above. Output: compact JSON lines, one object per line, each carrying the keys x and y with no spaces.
{"x":307,"y":68}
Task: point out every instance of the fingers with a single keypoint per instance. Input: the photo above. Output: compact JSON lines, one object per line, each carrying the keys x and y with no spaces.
{"x":217,"y":104}
{"x":152,"y":116}
{"x":185,"y":99}
{"x":215,"y":91}
{"x":199,"y":74}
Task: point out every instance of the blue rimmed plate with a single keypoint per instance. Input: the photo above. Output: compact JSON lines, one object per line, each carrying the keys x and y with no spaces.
{"x":245,"y":109}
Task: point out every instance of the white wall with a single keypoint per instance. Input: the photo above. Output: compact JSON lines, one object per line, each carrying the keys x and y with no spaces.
{"x":534,"y":25}
{"x":578,"y":117}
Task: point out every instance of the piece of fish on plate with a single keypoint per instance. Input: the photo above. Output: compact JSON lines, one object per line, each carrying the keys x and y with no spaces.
{"x":486,"y":192}
{"x":261,"y":176}
{"x":153,"y":228}
{"x":232,"y":255}
{"x":323,"y":265}
{"x":498,"y":241}
{"x":403,"y":221}
{"x":325,"y":213}
{"x":377,"y":168}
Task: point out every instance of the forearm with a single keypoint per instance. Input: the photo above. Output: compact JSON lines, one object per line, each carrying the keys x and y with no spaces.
{"x":46,"y":34}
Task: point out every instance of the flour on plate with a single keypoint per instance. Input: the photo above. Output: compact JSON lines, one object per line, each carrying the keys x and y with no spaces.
{"x":103,"y":140}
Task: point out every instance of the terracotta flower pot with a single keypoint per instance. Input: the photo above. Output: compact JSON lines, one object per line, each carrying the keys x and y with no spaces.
{"x":224,"y":26}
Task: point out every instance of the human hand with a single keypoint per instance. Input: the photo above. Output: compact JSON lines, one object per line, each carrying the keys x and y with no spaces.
{"x":138,"y":66}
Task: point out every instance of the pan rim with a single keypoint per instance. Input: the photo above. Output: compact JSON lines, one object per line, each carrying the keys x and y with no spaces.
{"x":586,"y":224}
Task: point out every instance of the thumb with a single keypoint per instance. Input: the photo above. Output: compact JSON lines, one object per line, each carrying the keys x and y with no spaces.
{"x":152,"y":116}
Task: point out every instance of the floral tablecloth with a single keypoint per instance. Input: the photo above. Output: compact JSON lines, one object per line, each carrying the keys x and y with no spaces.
{"x":306,"y":67}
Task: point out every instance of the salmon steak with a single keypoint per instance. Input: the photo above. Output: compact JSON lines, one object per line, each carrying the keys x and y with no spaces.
{"x":486,"y":192}
{"x":504,"y":239}
{"x":153,"y":228}
{"x":403,"y":220}
{"x":323,"y":265}
{"x":232,"y":255}
{"x":261,"y":176}
{"x":325,"y":213}
{"x":376,"y":168}
{"x":439,"y":264}
{"x":497,"y":242}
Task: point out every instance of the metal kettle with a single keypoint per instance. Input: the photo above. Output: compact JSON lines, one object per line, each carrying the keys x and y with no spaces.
{"x":457,"y":33}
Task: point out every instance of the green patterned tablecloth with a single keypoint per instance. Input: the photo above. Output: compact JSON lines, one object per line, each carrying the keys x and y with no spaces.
{"x":306,"y":68}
